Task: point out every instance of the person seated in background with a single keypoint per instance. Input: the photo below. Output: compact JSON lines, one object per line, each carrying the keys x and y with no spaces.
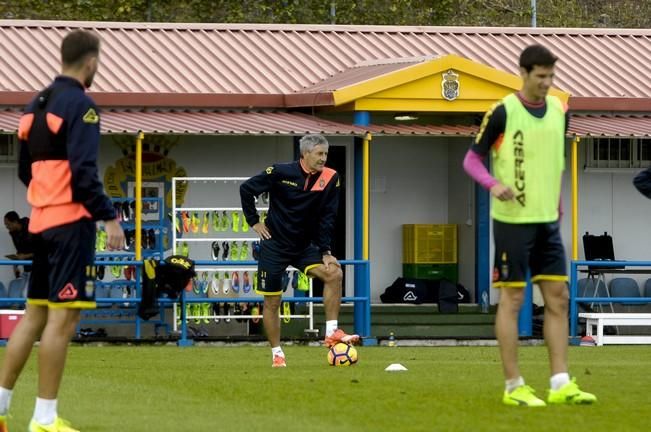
{"x":642,"y":182}
{"x":22,"y":239}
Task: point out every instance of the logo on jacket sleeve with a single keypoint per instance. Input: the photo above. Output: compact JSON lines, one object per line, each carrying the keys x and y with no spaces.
{"x":91,"y":116}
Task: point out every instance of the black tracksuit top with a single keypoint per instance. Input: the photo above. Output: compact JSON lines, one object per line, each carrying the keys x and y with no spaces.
{"x":302,"y":206}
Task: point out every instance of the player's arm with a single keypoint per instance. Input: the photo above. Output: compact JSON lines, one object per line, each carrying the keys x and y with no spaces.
{"x":83,"y":147}
{"x":24,"y":156}
{"x":491,"y":133}
{"x":327,"y":218}
{"x":249,"y":190}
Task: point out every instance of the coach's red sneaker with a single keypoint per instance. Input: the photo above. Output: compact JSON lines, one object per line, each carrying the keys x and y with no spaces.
{"x":279,"y":361}
{"x":339,"y":336}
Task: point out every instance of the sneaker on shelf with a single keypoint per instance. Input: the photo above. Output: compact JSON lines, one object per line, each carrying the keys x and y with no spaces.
{"x":118,"y":210}
{"x":178,"y":224}
{"x":255,"y":313}
{"x":206,"y":223}
{"x":522,"y":396}
{"x":126,"y":211}
{"x":100,"y":242}
{"x":236,"y":281}
{"x":225,"y":249}
{"x":235,"y":218}
{"x":235,"y":251}
{"x":255,"y":250}
{"x":246,"y":282}
{"x":245,"y":225}
{"x":214,"y":247}
{"x":185,"y":217}
{"x":216,"y":311}
{"x":151,"y":236}
{"x":339,"y":336}
{"x":279,"y":362}
{"x":228,"y":284}
{"x":216,"y":224}
{"x":227,"y":312}
{"x":185,"y":249}
{"x":225,"y":221}
{"x":255,"y":281}
{"x":570,"y":394}
{"x":195,"y":222}
{"x":214,"y":285}
{"x":244,"y":251}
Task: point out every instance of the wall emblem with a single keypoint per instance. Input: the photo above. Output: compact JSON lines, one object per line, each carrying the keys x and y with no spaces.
{"x":450,"y":85}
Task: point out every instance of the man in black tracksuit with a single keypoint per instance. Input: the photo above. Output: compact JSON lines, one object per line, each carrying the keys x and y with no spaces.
{"x":304,"y":197}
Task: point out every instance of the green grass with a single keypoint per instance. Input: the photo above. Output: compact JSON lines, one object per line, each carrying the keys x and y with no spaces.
{"x":165,"y":388}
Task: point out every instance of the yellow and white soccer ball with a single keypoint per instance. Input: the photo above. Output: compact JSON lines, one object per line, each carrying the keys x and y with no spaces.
{"x":342,"y":354}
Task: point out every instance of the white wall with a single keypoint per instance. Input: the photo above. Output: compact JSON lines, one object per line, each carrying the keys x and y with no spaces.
{"x":409,"y":184}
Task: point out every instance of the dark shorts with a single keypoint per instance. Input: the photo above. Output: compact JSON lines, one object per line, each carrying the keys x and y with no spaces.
{"x":522,"y":247}
{"x":63,"y":273}
{"x":274,"y":260}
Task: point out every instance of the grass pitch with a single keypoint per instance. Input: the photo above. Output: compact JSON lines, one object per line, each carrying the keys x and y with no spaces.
{"x":165,"y":388}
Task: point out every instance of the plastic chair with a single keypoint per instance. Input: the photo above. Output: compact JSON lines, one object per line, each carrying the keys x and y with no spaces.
{"x":647,"y":288}
{"x":625,"y":287}
{"x":16,"y":288}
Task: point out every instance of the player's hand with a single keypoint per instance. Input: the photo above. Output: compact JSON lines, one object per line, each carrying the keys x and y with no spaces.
{"x":502,"y":192}
{"x":114,"y":234}
{"x":262,"y":230}
{"x":330,"y":259}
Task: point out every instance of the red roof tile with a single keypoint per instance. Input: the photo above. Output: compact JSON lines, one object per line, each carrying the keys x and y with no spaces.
{"x":244,"y":59}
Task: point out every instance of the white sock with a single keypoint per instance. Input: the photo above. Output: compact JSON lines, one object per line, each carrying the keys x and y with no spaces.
{"x":277,"y":351}
{"x":331,"y":326}
{"x":5,"y":400}
{"x":514,"y":383}
{"x":559,"y":380}
{"x":45,"y":411}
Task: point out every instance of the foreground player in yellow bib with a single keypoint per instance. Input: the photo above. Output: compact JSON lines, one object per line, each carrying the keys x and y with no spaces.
{"x":525,"y":135}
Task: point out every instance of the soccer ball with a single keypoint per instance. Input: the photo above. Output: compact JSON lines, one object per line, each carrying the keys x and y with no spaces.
{"x":342,"y":355}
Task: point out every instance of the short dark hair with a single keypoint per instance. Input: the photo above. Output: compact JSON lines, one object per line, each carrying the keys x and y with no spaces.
{"x":536,"y":55}
{"x":77,"y":45}
{"x":12,"y":216}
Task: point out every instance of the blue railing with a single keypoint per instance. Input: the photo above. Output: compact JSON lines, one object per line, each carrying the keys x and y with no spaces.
{"x":604,"y":267}
{"x":361,"y":296}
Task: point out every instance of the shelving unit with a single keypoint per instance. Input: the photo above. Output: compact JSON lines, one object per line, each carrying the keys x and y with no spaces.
{"x":221,"y":266}
{"x":107,"y":298}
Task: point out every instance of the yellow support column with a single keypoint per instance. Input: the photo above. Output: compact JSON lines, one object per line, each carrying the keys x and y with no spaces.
{"x":367,"y":201}
{"x":138,"y":195}
{"x":575,"y":198}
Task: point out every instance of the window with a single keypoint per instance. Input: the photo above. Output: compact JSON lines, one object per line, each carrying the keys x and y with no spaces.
{"x":8,"y":148}
{"x":618,"y":153}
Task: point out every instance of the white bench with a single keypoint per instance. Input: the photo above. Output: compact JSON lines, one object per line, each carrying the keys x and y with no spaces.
{"x":600,"y":320}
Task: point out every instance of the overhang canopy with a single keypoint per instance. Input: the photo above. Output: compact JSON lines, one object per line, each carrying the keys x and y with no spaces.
{"x":193,"y":122}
